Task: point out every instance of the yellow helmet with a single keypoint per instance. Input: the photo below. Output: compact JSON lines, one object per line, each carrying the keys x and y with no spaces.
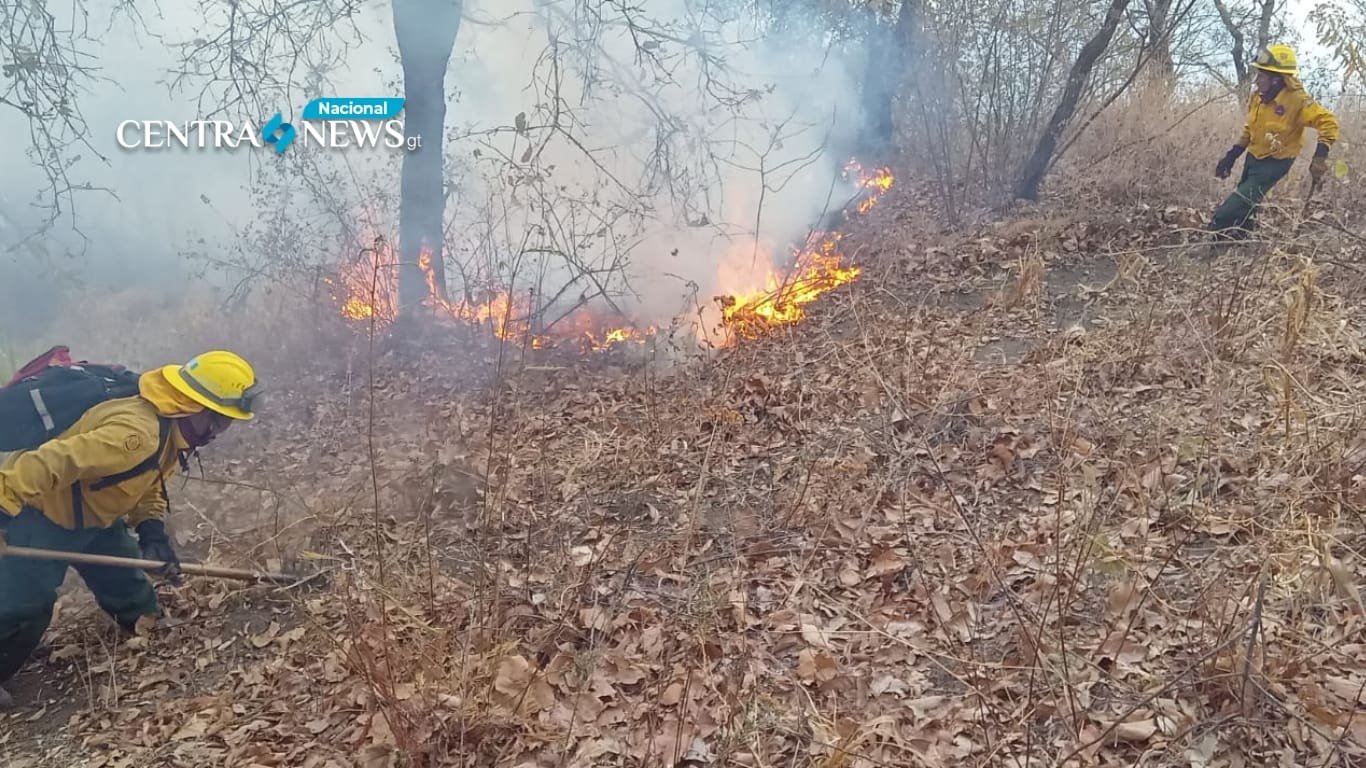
{"x":220,"y":381}
{"x":1278,"y":58}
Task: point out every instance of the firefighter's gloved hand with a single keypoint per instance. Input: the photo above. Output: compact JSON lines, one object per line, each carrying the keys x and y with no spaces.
{"x":1318,"y":167}
{"x":156,"y":545}
{"x":4,"y":529}
{"x":1225,"y":166}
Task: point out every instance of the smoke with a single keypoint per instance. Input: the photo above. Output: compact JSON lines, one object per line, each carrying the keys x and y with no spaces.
{"x":677,"y":153}
{"x":662,"y":152}
{"x":134,"y":213}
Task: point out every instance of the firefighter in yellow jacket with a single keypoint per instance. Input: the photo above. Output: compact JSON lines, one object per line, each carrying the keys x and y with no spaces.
{"x":1273,"y":136}
{"x":58,"y":495}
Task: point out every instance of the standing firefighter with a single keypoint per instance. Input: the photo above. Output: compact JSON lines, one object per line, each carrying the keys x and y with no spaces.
{"x":1277,"y":115}
{"x":103,"y":441}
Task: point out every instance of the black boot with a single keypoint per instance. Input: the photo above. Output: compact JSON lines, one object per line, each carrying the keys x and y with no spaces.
{"x":17,"y":644}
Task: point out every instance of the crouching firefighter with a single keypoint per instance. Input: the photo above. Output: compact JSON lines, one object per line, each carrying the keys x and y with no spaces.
{"x":92,"y":454}
{"x":1273,"y":136}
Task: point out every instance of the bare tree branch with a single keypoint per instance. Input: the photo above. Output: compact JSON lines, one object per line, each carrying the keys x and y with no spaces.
{"x":46,"y":62}
{"x":253,"y":56}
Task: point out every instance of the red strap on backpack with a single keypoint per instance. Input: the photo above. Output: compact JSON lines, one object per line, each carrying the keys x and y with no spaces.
{"x":58,"y":355}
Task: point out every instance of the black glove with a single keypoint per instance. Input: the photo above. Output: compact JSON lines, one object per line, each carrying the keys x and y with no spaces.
{"x":1225,"y":166}
{"x":155,"y":545}
{"x":1319,"y":165}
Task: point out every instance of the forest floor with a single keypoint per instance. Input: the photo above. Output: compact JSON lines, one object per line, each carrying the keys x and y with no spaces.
{"x":1056,"y":491}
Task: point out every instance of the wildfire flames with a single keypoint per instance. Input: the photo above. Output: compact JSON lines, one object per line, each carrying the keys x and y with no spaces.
{"x":368,"y":291}
{"x":757,"y":299}
{"x":878,"y":181}
{"x":820,"y":266}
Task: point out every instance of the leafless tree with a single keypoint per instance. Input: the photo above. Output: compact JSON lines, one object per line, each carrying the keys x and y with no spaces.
{"x":599,"y":55}
{"x":891,"y":51}
{"x":46,"y":60}
{"x":1077,"y":78}
{"x":603,"y":57}
{"x":1160,"y":22}
{"x":253,"y":57}
{"x":256,"y":56}
{"x":1239,"y":49}
{"x":426,"y":31}
{"x":1258,"y":17}
{"x":1268,"y":10}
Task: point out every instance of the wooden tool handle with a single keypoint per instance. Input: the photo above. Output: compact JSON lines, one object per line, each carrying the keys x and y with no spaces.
{"x":197,"y":569}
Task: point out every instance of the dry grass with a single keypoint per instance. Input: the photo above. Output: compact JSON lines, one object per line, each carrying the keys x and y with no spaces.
{"x":1145,"y":151}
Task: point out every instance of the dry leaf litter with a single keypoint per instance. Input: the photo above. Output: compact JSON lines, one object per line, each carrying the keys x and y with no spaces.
{"x":1055,"y":493}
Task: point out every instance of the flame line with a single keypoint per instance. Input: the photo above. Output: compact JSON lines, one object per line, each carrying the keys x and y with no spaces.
{"x":817,"y":266}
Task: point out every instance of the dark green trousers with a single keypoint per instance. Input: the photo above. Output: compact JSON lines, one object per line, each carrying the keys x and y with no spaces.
{"x":1236,"y":217}
{"x":28,"y":588}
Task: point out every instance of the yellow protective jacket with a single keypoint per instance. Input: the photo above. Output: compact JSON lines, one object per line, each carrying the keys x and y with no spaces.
{"x":1277,"y":129}
{"x":62,"y":477}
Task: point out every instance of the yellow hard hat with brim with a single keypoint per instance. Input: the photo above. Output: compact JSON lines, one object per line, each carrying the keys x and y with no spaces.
{"x":220,"y":381}
{"x":1279,"y":58}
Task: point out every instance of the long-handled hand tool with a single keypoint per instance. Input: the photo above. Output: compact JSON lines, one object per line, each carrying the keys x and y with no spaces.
{"x":198,"y":569}
{"x":1314,"y":184}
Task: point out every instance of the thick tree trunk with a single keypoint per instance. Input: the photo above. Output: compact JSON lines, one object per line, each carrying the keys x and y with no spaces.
{"x":877,"y":96}
{"x":426,"y":32}
{"x":1264,"y":24}
{"x":889,"y":55}
{"x":1162,"y":66}
{"x":1037,"y":167}
{"x":1239,"y":49}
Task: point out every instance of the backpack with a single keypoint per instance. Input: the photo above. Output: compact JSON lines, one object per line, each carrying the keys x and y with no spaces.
{"x":51,"y":393}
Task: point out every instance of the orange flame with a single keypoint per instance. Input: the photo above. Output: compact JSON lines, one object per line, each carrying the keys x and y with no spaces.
{"x":366,"y":288}
{"x":874,"y":184}
{"x":782,"y":298}
{"x":758,"y":299}
{"x":820,"y":267}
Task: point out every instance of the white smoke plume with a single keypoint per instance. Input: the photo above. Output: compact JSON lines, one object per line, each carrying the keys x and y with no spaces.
{"x":647,"y":189}
{"x":690,"y":150}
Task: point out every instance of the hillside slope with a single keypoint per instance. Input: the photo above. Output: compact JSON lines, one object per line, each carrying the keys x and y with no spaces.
{"x":1056,"y":492}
